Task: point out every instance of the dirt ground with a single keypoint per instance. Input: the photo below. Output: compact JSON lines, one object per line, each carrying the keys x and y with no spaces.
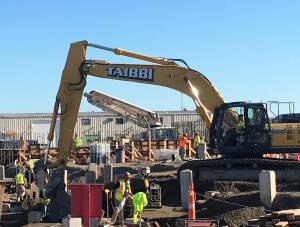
{"x":236,"y":203}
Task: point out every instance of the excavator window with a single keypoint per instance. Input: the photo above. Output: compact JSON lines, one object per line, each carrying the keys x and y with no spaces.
{"x":241,"y":128}
{"x":256,"y":117}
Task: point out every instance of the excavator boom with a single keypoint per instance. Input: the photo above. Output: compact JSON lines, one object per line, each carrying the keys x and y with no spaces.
{"x":164,"y":73}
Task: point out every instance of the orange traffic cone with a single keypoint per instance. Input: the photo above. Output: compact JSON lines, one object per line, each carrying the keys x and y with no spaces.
{"x":192,"y":209}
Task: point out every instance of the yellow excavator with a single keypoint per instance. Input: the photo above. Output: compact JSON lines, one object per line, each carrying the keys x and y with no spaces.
{"x":237,"y":130}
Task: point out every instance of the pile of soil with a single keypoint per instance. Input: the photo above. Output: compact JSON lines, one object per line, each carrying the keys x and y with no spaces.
{"x":233,"y":210}
{"x":225,"y":187}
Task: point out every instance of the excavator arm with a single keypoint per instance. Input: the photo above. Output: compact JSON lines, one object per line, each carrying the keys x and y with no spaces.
{"x":164,"y":73}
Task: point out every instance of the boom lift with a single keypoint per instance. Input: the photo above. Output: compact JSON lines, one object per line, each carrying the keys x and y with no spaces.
{"x":222,"y":119}
{"x":141,"y":117}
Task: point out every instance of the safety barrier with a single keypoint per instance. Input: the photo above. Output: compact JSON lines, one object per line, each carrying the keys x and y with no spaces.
{"x":191,"y":207}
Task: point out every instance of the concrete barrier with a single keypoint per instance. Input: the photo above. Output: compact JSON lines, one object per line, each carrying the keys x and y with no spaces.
{"x":267,"y":187}
{"x":108,"y":173}
{"x":71,"y":222}
{"x":186,"y":178}
{"x":201,"y":150}
{"x":2,"y":173}
{"x":94,"y":168}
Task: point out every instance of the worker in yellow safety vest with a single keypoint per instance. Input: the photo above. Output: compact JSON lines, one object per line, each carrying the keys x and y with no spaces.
{"x":122,"y":191}
{"x":29,"y":162}
{"x":198,"y":139}
{"x":145,"y":174}
{"x":146,"y":183}
{"x":77,"y":141}
{"x":139,"y":201}
{"x":19,"y":163}
{"x":29,"y":174}
{"x":20,"y":185}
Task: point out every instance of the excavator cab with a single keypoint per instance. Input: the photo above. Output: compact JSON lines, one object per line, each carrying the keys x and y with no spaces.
{"x":240,"y":129}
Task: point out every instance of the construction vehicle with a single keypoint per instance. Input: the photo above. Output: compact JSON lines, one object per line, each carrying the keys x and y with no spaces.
{"x":140,"y":116}
{"x":221,"y":118}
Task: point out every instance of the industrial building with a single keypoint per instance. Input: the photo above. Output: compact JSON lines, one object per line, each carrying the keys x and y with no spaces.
{"x":90,"y":126}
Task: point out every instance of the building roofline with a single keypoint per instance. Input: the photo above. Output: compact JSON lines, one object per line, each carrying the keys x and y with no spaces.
{"x":84,"y":114}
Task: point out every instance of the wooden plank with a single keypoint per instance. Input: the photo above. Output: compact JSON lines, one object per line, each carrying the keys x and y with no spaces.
{"x":282,"y":224}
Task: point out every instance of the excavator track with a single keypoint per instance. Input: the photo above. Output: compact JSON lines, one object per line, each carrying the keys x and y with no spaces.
{"x":242,"y":169}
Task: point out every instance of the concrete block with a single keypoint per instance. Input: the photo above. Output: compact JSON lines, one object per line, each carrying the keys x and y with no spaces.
{"x":34,"y":217}
{"x":186,"y":178}
{"x":267,"y":187}
{"x":108,"y":173}
{"x":71,"y":222}
{"x":201,"y":150}
{"x":90,"y":177}
{"x":10,"y":172}
{"x":2,"y":173}
{"x":5,"y":207}
{"x":166,"y":154}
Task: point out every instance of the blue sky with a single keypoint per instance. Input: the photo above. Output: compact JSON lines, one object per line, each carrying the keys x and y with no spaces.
{"x":248,"y":49}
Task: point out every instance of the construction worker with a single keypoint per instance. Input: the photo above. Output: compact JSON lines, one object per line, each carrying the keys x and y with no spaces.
{"x":183,"y":143}
{"x":241,"y":122}
{"x":29,"y":174}
{"x":240,"y":129}
{"x":139,"y":201}
{"x":199,"y":146}
{"x":29,"y":162}
{"x":145,"y":175}
{"x":43,"y":200}
{"x":198,"y":139}
{"x":19,"y":163}
{"x":77,"y":141}
{"x":20,"y":185}
{"x":122,"y":193}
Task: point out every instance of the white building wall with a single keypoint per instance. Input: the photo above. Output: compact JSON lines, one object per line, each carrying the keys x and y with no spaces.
{"x":101,"y":123}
